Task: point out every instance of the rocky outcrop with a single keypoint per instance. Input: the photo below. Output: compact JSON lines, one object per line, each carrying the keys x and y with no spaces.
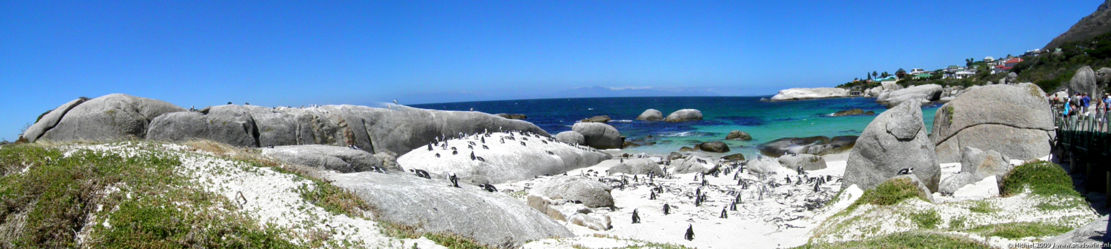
{"x":894,"y":140}
{"x":886,"y":86}
{"x":1098,"y":23}
{"x":341,"y":159}
{"x":512,"y":116}
{"x":651,"y":115}
{"x":920,"y":93}
{"x":1104,"y":76}
{"x":1085,"y":81}
{"x":571,"y":137}
{"x":636,"y":166}
{"x":1094,"y":233}
{"x":951,"y":184}
{"x":599,"y":135}
{"x":717,"y":147}
{"x":598,"y":119}
{"x":105,"y":118}
{"x":684,"y":115}
{"x":804,"y":161}
{"x":485,"y":158}
{"x":396,"y":129}
{"x":817,"y":145}
{"x":691,"y":164}
{"x":1014,"y":120}
{"x":738,"y":135}
{"x":852,"y":112}
{"x":578,"y":189}
{"x":433,"y":206}
{"x":810,"y":93}
{"x":983,"y":164}
{"x":734,"y":157}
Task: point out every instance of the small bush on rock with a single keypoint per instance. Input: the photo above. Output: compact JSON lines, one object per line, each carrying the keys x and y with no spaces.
{"x":1042,"y":178}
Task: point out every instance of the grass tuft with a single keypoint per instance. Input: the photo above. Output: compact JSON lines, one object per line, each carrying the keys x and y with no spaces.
{"x":1017,"y":230}
{"x":983,"y":207}
{"x":926,"y":219}
{"x":888,"y":193}
{"x":907,"y":240}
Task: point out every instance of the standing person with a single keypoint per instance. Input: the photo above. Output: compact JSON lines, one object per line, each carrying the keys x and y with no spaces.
{"x":1085,"y":101}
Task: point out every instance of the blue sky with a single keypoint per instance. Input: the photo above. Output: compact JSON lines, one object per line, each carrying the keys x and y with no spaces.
{"x":201,"y":53}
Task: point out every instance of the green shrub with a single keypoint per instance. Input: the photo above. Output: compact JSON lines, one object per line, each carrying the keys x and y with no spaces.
{"x":1042,"y":178}
{"x":982,"y":207}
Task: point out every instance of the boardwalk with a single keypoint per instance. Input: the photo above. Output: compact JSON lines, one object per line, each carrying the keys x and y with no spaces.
{"x":1084,"y":143}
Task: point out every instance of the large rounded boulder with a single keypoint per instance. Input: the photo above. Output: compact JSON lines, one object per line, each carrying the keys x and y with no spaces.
{"x":599,"y":135}
{"x":499,"y":157}
{"x":651,"y":115}
{"x":920,"y":94}
{"x":738,"y":135}
{"x":338,"y":158}
{"x":105,"y":118}
{"x":1014,"y":120}
{"x":894,"y":140}
{"x":578,"y":189}
{"x":1085,"y":81}
{"x":804,"y":161}
{"x":717,"y":147}
{"x":571,"y":137}
{"x":684,"y":115}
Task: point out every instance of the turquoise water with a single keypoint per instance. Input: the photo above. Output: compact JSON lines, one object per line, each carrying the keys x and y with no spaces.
{"x":764,"y":120}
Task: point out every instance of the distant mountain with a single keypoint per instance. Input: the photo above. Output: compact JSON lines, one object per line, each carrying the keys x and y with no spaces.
{"x":600,"y":91}
{"x":1093,"y":25}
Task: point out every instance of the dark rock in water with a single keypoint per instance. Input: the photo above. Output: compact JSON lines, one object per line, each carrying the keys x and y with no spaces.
{"x":674,"y":155}
{"x":778,"y":147}
{"x":738,"y":135}
{"x":853,"y":112}
{"x":734,"y":157}
{"x":718,"y":147}
{"x":512,"y":116}
{"x":598,"y":119}
{"x":686,"y":149}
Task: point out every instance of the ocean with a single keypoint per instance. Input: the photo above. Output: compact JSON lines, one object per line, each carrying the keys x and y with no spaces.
{"x":764,"y":120}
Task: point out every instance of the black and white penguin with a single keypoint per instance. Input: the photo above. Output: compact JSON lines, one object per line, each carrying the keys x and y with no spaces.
{"x":690,"y":233}
{"x":724,"y":215}
{"x":480,"y":159}
{"x":455,"y":152}
{"x":733,"y":206}
{"x":437,"y":155}
{"x":651,"y":195}
{"x":429,"y":147}
{"x":523,"y":144}
{"x":906,"y":171}
{"x":636,"y":217}
{"x":485,"y":147}
{"x":667,"y":209}
{"x":472,"y":156}
{"x":454,"y":180}
{"x":488,"y":187}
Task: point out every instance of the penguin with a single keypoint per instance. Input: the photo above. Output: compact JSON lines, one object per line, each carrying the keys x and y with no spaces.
{"x":733,"y":206}
{"x":485,"y":147}
{"x":697,"y":193}
{"x":472,"y":156}
{"x":453,"y":148}
{"x":724,"y":215}
{"x":636,"y":217}
{"x":651,"y":195}
{"x":817,"y":187}
{"x":906,"y":171}
{"x":437,"y":155}
{"x":454,"y":180}
{"x":667,"y":209}
{"x":550,"y":153}
{"x":429,"y":147}
{"x":523,"y":144}
{"x":455,"y":152}
{"x":480,"y":159}
{"x":483,"y":140}
{"x":470,"y":147}
{"x":788,"y":179}
{"x":635,"y":178}
{"x":690,"y":233}
{"x":488,"y":187}
{"x":698,"y":201}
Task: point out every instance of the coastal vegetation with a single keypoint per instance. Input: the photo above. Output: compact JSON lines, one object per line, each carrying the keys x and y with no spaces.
{"x":1041,"y":178}
{"x":1052,"y":69}
{"x":906,"y":240}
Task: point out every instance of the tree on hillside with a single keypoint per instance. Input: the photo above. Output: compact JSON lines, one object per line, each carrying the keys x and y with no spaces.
{"x":884,"y":74}
{"x":968,"y":62}
{"x":901,"y":73}
{"x":874,"y":74}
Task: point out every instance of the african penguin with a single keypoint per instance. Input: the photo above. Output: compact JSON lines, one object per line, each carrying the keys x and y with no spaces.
{"x":690,"y":233}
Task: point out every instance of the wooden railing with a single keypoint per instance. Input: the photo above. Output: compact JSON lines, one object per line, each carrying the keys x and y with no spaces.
{"x":1084,"y":142}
